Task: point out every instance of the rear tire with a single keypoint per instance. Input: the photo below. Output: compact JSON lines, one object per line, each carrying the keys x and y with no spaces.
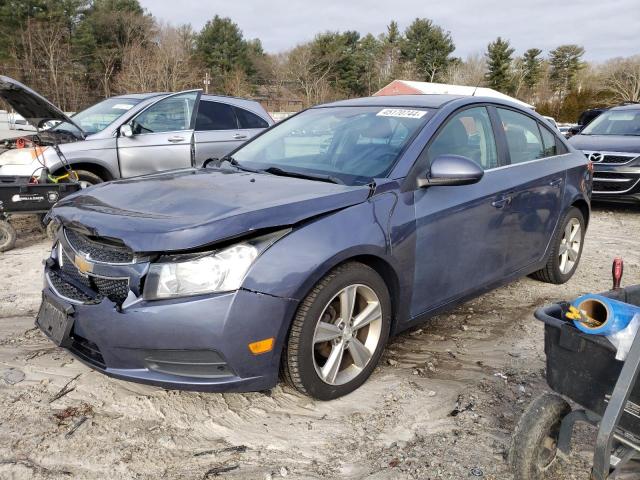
{"x":8,"y":236}
{"x":533,"y":449}
{"x":565,"y":250}
{"x":338,"y":334}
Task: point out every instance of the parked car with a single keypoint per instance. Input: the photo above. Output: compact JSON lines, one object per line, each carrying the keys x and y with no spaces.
{"x":308,"y":246}
{"x":612,"y":143}
{"x":584,"y":119}
{"x":128,"y":135}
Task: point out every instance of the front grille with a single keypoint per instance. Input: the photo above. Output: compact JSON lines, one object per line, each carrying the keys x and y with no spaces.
{"x":612,"y":182}
{"x":66,"y":289}
{"x":115,"y":289}
{"x":611,"y":158}
{"x":98,"y":249}
{"x":86,"y":350}
{"x":72,"y":272}
{"x":617,"y":159}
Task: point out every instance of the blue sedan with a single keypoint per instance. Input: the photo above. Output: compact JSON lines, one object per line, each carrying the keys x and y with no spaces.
{"x":303,"y":251}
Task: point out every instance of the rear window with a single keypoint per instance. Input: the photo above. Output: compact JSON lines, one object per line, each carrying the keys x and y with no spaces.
{"x":215,"y":116}
{"x":248,"y":119}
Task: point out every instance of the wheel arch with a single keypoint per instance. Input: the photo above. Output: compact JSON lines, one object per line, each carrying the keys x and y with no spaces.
{"x":94,"y":168}
{"x":583,"y":206}
{"x":376,"y":262}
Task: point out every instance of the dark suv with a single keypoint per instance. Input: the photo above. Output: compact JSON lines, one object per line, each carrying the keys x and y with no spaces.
{"x":612,"y":143}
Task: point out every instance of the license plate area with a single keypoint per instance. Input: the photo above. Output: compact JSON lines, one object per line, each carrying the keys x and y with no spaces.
{"x":55,"y":321}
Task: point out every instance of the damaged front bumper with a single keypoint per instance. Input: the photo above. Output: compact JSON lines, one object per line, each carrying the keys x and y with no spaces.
{"x":192,"y":343}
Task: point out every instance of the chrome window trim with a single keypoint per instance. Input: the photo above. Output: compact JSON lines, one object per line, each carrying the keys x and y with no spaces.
{"x":550,"y":157}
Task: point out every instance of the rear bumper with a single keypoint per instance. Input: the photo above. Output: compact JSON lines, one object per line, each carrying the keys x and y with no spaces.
{"x":197,"y":343}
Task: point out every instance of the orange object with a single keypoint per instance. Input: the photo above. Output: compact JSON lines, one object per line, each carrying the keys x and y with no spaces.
{"x":262,"y":346}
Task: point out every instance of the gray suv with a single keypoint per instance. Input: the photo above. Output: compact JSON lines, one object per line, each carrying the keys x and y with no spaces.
{"x":127,"y":135}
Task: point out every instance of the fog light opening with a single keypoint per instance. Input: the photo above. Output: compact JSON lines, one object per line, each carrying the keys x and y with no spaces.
{"x":262,"y":346}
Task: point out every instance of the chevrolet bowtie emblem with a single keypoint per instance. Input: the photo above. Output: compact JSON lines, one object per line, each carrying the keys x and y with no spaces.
{"x":82,"y":264}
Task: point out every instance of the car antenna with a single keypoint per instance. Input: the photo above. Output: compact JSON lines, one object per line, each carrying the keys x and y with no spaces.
{"x":476,"y":88}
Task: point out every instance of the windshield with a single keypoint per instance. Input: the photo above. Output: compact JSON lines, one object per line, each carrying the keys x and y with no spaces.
{"x":97,"y":117}
{"x":615,"y":122}
{"x":352,"y":144}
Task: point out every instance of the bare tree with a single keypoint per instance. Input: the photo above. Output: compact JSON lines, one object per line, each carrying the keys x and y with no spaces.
{"x":622,"y":78}
{"x":310,"y":74}
{"x":470,"y":71}
{"x":164,"y":63}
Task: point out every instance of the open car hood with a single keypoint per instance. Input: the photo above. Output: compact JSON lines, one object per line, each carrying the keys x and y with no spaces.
{"x":31,"y":105}
{"x":192,"y":208}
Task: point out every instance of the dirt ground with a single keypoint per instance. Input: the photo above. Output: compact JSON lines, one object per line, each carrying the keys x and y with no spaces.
{"x":442,"y":404}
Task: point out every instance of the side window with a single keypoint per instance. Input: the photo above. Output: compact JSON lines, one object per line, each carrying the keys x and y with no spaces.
{"x":215,"y":116}
{"x":468,"y":134}
{"x":523,"y":136}
{"x":247,"y":119}
{"x":169,"y":115}
{"x":549,"y":141}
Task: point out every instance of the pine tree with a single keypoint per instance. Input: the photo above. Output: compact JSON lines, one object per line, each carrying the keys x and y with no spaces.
{"x":532,"y":65}
{"x":499,"y":65}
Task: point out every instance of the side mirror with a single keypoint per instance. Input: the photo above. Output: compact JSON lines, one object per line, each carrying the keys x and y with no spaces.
{"x":576,"y":130}
{"x":452,"y":170}
{"x":126,"y":130}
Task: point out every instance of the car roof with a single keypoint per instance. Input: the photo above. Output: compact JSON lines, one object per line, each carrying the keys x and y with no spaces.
{"x":141,"y":96}
{"x":630,"y":106}
{"x":421,"y":100}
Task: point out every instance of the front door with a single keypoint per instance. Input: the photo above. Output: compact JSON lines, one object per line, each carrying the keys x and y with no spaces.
{"x":460,"y":237}
{"x":162,"y":136}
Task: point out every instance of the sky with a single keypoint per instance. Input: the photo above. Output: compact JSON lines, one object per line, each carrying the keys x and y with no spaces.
{"x":605,"y":28}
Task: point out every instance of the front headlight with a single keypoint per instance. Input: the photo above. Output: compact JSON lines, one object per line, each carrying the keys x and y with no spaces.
{"x":213,"y":272}
{"x":23,"y":156}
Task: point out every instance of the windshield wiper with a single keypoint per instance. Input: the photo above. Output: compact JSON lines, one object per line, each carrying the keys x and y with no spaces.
{"x":233,"y":162}
{"x":308,"y":176}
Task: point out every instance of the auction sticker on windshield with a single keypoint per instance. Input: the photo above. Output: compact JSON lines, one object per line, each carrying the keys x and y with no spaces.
{"x":401,"y":113}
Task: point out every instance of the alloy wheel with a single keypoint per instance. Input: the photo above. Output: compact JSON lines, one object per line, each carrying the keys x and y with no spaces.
{"x":569,"y":250}
{"x":347,"y":334}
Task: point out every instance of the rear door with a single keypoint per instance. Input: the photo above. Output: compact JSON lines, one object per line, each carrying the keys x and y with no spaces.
{"x":162,"y":136}
{"x":532,"y":205}
{"x":217,"y":131}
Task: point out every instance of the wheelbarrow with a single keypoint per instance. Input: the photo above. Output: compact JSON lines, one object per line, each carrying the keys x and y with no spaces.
{"x":18,"y":196}
{"x":581,"y":368}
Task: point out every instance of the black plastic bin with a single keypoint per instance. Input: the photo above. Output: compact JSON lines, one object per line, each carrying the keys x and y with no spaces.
{"x":583,"y":367}
{"x":22,"y":197}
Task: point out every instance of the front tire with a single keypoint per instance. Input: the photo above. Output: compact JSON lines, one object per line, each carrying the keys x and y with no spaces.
{"x":8,"y":236}
{"x":339,"y":332}
{"x":534,"y":446}
{"x":87,"y":178}
{"x":566,"y":249}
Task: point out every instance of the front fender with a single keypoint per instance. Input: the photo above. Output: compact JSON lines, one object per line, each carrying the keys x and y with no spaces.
{"x":293,"y":265}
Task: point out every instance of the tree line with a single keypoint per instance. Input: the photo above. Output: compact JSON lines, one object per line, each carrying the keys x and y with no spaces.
{"x":78,"y":51}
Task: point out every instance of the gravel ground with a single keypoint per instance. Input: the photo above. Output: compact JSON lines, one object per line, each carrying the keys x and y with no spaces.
{"x":442,"y":404}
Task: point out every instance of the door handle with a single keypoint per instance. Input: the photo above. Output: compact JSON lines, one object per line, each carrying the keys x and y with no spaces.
{"x":555,"y":183}
{"x":502,"y":201}
{"x":239,"y":136}
{"x":175,"y":139}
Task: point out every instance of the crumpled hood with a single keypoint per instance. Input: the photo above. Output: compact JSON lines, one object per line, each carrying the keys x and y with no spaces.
{"x":606,"y":143}
{"x":31,"y":105}
{"x":186,"y":209}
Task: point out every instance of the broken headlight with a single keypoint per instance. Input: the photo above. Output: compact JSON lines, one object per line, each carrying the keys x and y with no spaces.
{"x":222,"y":270}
